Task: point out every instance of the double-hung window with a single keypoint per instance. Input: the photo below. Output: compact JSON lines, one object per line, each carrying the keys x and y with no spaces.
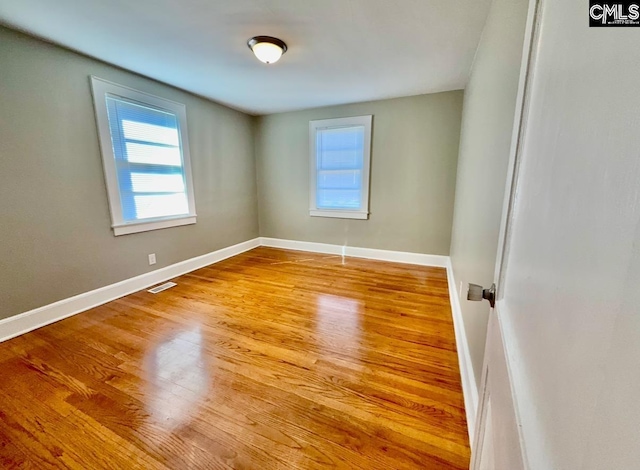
{"x":145,"y":154}
{"x":340,"y":152}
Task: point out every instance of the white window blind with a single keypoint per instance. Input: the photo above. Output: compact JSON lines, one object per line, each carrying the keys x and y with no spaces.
{"x":339,"y":173}
{"x":145,"y":156}
{"x":340,"y":154}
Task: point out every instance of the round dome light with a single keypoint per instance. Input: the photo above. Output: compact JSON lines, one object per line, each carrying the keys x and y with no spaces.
{"x":267,"y":49}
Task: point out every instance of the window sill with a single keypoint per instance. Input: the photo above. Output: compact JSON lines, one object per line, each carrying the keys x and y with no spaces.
{"x":339,"y":214}
{"x":137,"y":227}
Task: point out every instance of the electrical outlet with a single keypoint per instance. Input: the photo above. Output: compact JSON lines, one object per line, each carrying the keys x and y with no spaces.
{"x":152,"y":259}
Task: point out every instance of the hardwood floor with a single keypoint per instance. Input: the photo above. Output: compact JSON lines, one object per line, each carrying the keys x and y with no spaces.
{"x":269,"y":360}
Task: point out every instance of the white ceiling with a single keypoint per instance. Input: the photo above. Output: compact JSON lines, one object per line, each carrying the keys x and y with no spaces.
{"x":340,"y":51}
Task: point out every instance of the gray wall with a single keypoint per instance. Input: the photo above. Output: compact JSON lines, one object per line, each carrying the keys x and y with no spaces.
{"x":55,"y":235}
{"x":487,"y":124}
{"x":413,"y":168}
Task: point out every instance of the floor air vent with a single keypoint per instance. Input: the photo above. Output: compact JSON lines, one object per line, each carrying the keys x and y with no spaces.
{"x":161,"y":287}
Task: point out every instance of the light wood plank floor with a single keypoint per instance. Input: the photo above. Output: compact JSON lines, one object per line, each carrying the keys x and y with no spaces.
{"x":269,"y":360}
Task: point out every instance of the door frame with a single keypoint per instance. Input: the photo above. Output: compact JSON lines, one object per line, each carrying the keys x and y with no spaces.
{"x":523,"y":101}
{"x":523,"y":98}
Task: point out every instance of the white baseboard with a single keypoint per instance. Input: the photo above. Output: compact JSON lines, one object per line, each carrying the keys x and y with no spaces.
{"x":42,"y":316}
{"x":39,"y":317}
{"x":469,"y":386}
{"x":368,"y":253}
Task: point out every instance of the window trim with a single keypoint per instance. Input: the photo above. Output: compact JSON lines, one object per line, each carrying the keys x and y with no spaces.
{"x":321,"y":124}
{"x":100,"y":88}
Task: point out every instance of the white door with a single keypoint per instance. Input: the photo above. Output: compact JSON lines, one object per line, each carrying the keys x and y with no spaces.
{"x":498,"y":437}
{"x":561,"y":381}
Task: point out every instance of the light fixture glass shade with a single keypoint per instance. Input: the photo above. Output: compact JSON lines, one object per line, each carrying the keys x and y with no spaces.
{"x":267,"y":49}
{"x":267,"y":52}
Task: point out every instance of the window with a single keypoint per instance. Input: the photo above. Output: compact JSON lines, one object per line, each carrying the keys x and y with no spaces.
{"x":340,"y":154}
{"x":145,"y":154}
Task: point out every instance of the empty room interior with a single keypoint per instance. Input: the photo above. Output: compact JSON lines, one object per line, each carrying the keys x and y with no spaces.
{"x":295,"y":234}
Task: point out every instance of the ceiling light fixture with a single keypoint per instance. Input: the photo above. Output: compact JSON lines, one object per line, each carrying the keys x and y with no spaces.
{"x":267,"y":49}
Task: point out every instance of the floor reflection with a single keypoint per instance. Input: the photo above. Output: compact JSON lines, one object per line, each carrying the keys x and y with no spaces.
{"x":339,"y":320}
{"x":179,"y":378}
